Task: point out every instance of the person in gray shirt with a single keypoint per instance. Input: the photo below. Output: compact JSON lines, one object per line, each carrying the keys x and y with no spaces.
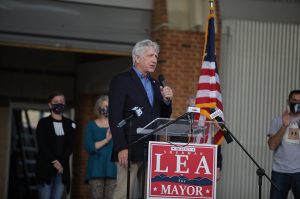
{"x":284,"y":141}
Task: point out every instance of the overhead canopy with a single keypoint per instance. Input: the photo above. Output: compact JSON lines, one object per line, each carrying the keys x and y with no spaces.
{"x":61,"y":24}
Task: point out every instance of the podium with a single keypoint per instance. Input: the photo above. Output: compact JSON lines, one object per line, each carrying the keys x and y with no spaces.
{"x":180,"y":170}
{"x":182,"y":128}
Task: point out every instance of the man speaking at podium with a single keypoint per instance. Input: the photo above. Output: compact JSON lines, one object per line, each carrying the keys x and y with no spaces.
{"x":135,"y":88}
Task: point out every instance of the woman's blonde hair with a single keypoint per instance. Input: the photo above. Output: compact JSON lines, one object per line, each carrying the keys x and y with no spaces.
{"x":98,"y":104}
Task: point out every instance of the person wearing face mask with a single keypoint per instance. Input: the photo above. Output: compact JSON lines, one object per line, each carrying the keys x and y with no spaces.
{"x":100,"y":172}
{"x":55,"y":135}
{"x":284,"y":141}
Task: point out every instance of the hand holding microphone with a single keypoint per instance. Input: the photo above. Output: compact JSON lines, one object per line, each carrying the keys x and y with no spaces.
{"x":165,"y":90}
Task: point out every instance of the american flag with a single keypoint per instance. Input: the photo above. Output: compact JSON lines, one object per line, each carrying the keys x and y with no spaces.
{"x":208,"y":91}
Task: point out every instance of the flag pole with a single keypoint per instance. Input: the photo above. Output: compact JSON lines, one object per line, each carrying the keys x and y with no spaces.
{"x":211,"y":6}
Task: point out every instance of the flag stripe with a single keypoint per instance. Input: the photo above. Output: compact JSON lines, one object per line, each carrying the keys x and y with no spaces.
{"x":207,"y":86}
{"x":204,"y":96}
{"x":208,"y":79}
{"x":208,"y":89}
{"x":209,"y":65}
{"x":206,"y":75}
{"x":208,"y":72}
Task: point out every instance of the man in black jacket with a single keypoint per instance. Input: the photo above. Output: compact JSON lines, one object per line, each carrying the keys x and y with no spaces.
{"x":127,"y":90}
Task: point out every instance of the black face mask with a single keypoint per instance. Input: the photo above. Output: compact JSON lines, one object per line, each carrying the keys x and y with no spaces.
{"x":58,"y":108}
{"x":294,"y":107}
{"x":103,"y":111}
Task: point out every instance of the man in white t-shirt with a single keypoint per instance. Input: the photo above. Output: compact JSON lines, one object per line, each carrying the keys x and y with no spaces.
{"x":284,"y":140}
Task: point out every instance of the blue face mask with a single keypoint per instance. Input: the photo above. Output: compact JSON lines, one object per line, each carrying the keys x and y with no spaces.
{"x":295,"y":108}
{"x":58,"y":108}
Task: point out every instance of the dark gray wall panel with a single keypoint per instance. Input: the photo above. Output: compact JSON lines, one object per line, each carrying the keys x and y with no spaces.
{"x":33,"y":74}
{"x":95,"y":77}
{"x":73,"y":25}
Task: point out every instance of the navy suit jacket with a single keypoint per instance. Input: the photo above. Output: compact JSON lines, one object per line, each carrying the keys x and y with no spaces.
{"x":127,"y":91}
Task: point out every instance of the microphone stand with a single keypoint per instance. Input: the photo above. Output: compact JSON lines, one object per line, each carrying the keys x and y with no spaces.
{"x":260,"y":171}
{"x":128,"y":159}
{"x":123,"y":122}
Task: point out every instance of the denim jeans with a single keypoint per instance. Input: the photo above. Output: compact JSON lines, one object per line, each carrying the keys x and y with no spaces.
{"x":54,"y":190}
{"x":285,"y":182}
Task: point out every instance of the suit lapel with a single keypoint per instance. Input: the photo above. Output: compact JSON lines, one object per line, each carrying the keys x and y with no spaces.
{"x":156,"y":91}
{"x":139,"y":85}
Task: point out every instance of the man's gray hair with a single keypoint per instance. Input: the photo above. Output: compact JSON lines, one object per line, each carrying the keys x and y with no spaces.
{"x":141,"y":47}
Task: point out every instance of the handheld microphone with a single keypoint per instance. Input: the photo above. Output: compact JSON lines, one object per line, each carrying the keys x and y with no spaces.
{"x":215,"y":115}
{"x":134,"y":112}
{"x":162,"y":80}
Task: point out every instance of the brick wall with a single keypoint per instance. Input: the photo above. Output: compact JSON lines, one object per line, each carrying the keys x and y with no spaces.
{"x":84,"y":112}
{"x":179,"y":61}
{"x":180,"y":56}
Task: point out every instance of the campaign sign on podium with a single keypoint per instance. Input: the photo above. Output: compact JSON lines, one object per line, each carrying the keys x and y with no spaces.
{"x":181,"y":170}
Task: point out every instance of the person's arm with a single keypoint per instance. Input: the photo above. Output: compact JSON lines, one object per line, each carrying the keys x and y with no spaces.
{"x":58,"y":166}
{"x":89,"y":143}
{"x":123,"y":158}
{"x":70,"y":130}
{"x":275,"y":140}
{"x":166,"y":93}
{"x":102,"y":143}
{"x":166,"y":103}
{"x":117,"y":98}
{"x":43,"y":141}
